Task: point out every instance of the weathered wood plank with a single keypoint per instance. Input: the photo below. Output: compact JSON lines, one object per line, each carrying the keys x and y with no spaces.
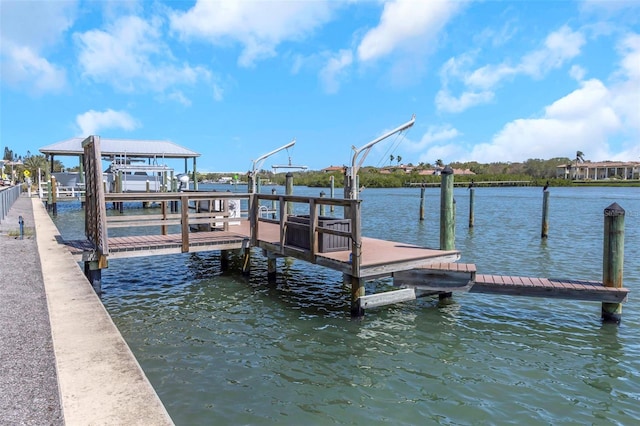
{"x":387,"y":298}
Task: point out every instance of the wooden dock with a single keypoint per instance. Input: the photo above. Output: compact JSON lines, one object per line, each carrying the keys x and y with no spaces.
{"x":204,"y":221}
{"x":455,"y":277}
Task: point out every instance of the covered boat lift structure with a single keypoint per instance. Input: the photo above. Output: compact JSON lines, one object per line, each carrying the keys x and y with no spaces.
{"x":131,"y":149}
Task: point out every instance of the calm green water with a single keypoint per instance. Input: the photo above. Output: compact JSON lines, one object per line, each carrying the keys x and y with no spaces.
{"x":222,"y":349}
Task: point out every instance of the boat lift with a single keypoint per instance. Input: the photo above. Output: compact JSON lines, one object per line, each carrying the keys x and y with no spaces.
{"x":352,"y":173}
{"x":256,"y":164}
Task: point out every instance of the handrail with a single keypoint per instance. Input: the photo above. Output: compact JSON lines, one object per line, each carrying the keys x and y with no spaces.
{"x":351,"y":208}
{"x":7,"y":198}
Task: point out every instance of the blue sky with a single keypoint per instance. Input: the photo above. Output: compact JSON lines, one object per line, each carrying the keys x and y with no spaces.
{"x":487,"y":80}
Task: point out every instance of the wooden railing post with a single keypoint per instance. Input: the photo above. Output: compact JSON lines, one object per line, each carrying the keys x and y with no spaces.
{"x":613,"y":258}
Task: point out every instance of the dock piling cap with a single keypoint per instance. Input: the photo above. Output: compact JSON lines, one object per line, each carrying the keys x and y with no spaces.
{"x":447,"y":170}
{"x":614,"y":210}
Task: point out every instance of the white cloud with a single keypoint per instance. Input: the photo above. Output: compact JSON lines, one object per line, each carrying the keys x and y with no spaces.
{"x":21,"y":66}
{"x":334,"y":69}
{"x":601,"y":120}
{"x":22,"y":47}
{"x":259,"y":26}
{"x":406,"y":25}
{"x":559,"y":47}
{"x":131,"y":56}
{"x":93,"y":122}
{"x":448,"y":103}
{"x":577,"y":72}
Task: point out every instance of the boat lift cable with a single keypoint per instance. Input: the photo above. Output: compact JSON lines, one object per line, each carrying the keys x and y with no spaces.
{"x":353,"y":171}
{"x":391,"y":148}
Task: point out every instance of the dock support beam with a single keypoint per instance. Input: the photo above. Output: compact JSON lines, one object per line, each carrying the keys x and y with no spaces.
{"x":545,"y":215}
{"x":224,"y":260}
{"x":357,"y":291}
{"x":93,"y":272}
{"x":613,"y":258}
{"x":271,"y":267}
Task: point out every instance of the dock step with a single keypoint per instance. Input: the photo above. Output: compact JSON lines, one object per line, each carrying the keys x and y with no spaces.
{"x":460,"y":277}
{"x":387,"y":298}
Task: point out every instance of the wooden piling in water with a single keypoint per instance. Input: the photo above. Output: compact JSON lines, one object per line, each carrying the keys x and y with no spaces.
{"x":323,"y":207}
{"x":545,"y":215}
{"x":472,"y":196}
{"x":447,"y":212}
{"x":271,"y":267}
{"x":447,"y":219}
{"x":331,"y":192}
{"x":422,"y":203}
{"x":54,"y":196}
{"x":289,"y":191}
{"x":273,"y":204}
{"x":613,"y":258}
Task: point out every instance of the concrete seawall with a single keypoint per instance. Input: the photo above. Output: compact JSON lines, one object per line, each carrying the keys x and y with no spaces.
{"x":99,"y":380}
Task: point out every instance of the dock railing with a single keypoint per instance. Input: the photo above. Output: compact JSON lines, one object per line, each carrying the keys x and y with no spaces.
{"x":198,"y":211}
{"x":313,"y":224}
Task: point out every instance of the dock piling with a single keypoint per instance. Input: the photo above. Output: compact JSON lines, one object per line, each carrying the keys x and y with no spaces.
{"x":289,"y":191}
{"x":447,"y":211}
{"x":472,"y":196}
{"x":422,"y":203}
{"x":323,"y":207}
{"x":331,"y":191}
{"x":54,"y":196}
{"x":613,"y":259}
{"x":545,"y":215}
{"x":447,"y":219}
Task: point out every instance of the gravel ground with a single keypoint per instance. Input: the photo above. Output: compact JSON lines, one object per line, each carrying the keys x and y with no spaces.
{"x":28,"y":381}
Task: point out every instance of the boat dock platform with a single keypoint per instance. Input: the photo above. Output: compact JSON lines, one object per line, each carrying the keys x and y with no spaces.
{"x":201,"y":221}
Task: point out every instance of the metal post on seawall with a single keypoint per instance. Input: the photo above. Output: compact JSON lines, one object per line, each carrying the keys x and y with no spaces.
{"x":613,"y":259}
{"x":21,"y":223}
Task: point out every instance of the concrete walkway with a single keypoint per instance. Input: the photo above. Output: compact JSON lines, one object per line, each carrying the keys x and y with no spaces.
{"x":60,"y":340}
{"x":28,"y":380}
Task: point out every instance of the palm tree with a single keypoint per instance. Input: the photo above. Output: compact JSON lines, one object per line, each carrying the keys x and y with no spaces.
{"x":579,"y":159}
{"x":35,"y":162}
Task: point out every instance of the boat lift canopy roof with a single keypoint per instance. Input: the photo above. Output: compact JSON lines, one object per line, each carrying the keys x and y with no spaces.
{"x":131,"y":148}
